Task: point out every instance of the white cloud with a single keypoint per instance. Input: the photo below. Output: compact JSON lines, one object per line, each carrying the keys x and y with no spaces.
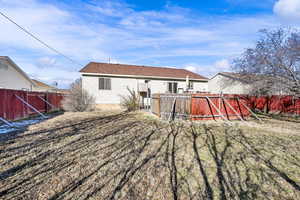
{"x":191,"y":68}
{"x":114,"y":29}
{"x":111,"y":8}
{"x":222,"y":65}
{"x":289,"y":9}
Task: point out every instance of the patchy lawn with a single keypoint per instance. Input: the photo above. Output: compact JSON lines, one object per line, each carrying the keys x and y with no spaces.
{"x":132,"y":156}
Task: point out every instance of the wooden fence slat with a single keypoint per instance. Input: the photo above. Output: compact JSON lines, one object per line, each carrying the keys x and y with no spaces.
{"x":189,"y":106}
{"x":30,"y":106}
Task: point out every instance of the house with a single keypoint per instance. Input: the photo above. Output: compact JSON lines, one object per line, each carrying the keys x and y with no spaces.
{"x":43,"y":87}
{"x":13,"y":77}
{"x":236,"y":83}
{"x":229,"y":83}
{"x":109,"y":82}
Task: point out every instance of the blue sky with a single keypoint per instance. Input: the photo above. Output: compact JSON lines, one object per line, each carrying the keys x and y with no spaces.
{"x":202,"y":36}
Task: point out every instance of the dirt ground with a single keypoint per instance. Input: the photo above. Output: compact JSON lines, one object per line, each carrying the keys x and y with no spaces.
{"x":135,"y":156}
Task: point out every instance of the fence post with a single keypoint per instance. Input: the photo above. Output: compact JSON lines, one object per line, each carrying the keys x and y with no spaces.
{"x":172,"y":113}
{"x":159,"y":114}
{"x":191,"y":107}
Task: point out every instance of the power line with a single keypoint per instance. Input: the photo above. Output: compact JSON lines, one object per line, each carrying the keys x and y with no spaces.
{"x":39,"y":40}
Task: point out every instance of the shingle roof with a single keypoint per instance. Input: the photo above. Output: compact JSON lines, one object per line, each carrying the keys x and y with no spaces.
{"x":41,"y":84}
{"x":243,"y":76}
{"x":135,"y":70}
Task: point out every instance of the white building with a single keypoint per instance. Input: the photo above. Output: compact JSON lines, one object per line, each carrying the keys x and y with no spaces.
{"x":228,"y":83}
{"x":13,"y":77}
{"x":108,"y":82}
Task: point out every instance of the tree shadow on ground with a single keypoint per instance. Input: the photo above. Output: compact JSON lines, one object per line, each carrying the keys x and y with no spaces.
{"x":122,"y":157}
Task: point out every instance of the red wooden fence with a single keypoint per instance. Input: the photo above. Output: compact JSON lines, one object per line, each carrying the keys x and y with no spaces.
{"x":12,"y":108}
{"x":214,"y":106}
{"x":276,"y":104}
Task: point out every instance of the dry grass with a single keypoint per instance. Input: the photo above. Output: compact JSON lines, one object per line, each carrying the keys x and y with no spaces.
{"x":133,"y":156}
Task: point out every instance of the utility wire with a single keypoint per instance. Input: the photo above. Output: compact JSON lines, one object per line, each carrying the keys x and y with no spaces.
{"x":39,"y":40}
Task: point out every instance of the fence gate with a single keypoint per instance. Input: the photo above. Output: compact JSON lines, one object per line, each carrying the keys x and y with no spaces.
{"x":171,"y":106}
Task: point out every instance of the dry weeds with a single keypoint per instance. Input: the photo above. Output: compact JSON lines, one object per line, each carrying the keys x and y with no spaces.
{"x":130,"y":156}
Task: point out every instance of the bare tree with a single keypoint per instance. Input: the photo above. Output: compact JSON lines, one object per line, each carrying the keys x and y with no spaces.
{"x":130,"y":101}
{"x":273,"y":65}
{"x":79,"y":100}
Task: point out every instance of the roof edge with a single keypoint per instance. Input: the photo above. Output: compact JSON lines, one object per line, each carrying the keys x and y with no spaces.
{"x":157,"y":77}
{"x":172,"y":68}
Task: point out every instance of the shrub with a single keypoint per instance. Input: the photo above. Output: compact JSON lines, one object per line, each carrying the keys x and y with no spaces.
{"x":78,"y":100}
{"x":131,"y":101}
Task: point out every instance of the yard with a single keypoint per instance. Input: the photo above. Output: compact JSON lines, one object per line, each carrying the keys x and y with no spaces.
{"x":135,"y":156}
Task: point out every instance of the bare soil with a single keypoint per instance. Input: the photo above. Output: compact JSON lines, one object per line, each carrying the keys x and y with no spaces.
{"x":135,"y":156}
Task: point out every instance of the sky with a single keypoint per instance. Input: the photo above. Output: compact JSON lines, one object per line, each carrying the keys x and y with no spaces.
{"x":201,"y":36}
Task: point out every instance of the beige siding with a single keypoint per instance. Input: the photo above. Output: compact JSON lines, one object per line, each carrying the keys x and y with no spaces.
{"x":225,"y":85}
{"x":12,"y":79}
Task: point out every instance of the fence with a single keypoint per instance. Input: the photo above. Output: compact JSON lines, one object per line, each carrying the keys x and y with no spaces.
{"x":18,"y":104}
{"x":215,"y":106}
{"x":276,"y":104}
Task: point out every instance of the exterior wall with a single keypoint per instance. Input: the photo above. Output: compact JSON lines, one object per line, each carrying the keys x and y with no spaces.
{"x":119,"y":87}
{"x":39,"y":89}
{"x":200,"y":87}
{"x":12,"y":79}
{"x":113,"y":96}
{"x":161,"y":86}
{"x":226,"y":85}
{"x":43,"y":89}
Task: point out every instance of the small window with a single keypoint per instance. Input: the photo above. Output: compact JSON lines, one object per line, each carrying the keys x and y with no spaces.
{"x":104,"y":84}
{"x":191,"y":85}
{"x":172,"y":87}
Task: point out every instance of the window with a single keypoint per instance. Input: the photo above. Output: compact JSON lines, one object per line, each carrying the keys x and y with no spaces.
{"x":104,"y":84}
{"x":172,"y":87}
{"x":191,"y":85}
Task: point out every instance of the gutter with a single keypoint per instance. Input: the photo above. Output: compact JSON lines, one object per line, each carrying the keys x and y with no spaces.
{"x":141,"y":77}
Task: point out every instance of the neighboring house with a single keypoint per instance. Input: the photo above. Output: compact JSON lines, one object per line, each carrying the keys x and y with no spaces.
{"x":12,"y":76}
{"x":108,"y":82}
{"x":43,"y":87}
{"x":228,"y":83}
{"x":235,"y":83}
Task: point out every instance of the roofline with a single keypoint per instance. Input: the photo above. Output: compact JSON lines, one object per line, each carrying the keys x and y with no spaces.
{"x":14,"y":65}
{"x":140,"y":76}
{"x":215,"y":75}
{"x":147,"y":66}
{"x":170,"y":67}
{"x":223,"y":74}
{"x":44,"y":84}
{"x":228,"y":76}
